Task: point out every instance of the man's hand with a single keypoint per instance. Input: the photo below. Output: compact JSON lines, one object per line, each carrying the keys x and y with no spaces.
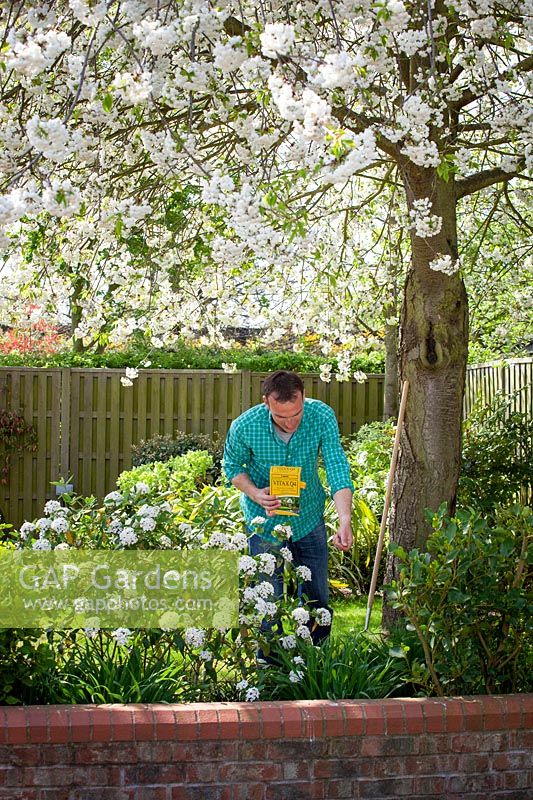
{"x":343,"y":539}
{"x":260,"y":496}
{"x":269,"y":501}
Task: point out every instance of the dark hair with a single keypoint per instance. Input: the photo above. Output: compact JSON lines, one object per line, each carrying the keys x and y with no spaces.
{"x":285,"y":385}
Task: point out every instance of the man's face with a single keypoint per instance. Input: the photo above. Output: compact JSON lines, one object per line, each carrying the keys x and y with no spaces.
{"x":287,"y":416}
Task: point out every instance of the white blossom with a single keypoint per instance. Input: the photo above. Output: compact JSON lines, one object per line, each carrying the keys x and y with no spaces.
{"x":127,"y":536}
{"x":49,"y":137}
{"x":423,"y":221}
{"x":300,"y":615}
{"x":323,"y":616}
{"x":194,"y":637}
{"x":247,"y":565}
{"x":288,"y":642}
{"x":325,"y":372}
{"x":252,"y":694}
{"x":267,"y":563}
{"x":446,"y":264}
{"x":122,"y":635}
{"x":59,"y":525}
{"x":26,"y":529}
{"x":51,"y":506}
{"x":41,"y":544}
{"x":286,"y":553}
{"x":303,"y":632}
{"x":304,"y":573}
{"x":277,"y":39}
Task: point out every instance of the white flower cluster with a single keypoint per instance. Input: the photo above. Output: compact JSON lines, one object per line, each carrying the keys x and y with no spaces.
{"x":310,"y":113}
{"x":194,"y":637}
{"x":122,"y":636}
{"x":325,"y":372}
{"x":423,"y":221}
{"x":446,"y":264}
{"x":36,"y":53}
{"x":304,"y":573}
{"x":336,"y":72}
{"x":300,"y":615}
{"x":323,"y":616}
{"x":267,"y":563}
{"x":362,"y":152}
{"x":131,"y":374}
{"x":277,"y":39}
{"x":50,"y":137}
{"x":247,"y":565}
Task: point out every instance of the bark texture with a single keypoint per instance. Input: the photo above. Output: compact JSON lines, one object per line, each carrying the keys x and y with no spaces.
{"x":433,"y":354}
{"x":390,"y":388}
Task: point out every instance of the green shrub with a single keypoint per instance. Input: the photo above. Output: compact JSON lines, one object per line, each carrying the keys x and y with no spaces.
{"x":98,"y":670}
{"x":164,"y":447}
{"x":26,"y":666}
{"x":369,"y":453}
{"x":351,"y":572}
{"x":467,"y":599}
{"x":497,"y":456}
{"x":186,"y":356}
{"x":181,"y":474}
{"x":361,"y":665}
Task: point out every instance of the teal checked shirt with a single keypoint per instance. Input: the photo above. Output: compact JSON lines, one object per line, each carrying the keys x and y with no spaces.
{"x":253,"y":446}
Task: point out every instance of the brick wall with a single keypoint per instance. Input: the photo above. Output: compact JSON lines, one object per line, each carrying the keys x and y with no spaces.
{"x":477,"y":748}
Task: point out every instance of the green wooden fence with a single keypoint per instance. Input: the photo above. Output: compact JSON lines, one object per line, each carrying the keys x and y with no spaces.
{"x":86,"y":421}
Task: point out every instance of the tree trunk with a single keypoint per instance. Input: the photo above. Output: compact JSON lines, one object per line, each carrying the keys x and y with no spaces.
{"x":390,"y":388}
{"x":433,"y":353}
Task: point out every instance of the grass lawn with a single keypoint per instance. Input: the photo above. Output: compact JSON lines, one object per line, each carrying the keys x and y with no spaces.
{"x":349,"y":615}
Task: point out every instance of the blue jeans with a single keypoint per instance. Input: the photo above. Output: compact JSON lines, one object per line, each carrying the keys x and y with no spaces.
{"x":310,"y":551}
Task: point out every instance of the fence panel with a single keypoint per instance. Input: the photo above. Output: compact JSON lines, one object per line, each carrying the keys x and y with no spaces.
{"x":354,"y":403}
{"x":36,"y":394}
{"x":87,"y":421}
{"x":512,"y":378}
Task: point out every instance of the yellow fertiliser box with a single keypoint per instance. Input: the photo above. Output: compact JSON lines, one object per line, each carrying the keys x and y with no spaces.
{"x":285,"y":483}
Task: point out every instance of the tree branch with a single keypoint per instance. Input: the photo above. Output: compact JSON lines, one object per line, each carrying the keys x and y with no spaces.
{"x":468,"y":96}
{"x":361,"y":123}
{"x":480,"y":180}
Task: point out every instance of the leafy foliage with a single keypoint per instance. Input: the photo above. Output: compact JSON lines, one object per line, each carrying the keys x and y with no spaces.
{"x":346,"y":667}
{"x":163,"y":448}
{"x":181,"y":474}
{"x":468,"y":600}
{"x":98,"y":670}
{"x":497,"y":456}
{"x":187,"y":356}
{"x":27,"y":663}
{"x":369,"y":453}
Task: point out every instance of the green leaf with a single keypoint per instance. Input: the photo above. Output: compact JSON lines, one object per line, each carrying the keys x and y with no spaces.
{"x":107,"y":102}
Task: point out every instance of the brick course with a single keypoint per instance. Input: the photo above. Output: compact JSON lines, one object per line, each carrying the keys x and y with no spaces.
{"x":450,"y":749}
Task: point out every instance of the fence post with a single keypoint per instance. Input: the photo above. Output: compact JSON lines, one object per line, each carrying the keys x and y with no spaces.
{"x":246,"y":389}
{"x":64,"y":425}
{"x":502,"y":378}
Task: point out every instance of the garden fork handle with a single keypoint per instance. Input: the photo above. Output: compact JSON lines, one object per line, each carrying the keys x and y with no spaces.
{"x":390,"y":479}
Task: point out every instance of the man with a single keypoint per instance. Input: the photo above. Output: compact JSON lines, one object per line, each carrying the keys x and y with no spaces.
{"x":287,"y":429}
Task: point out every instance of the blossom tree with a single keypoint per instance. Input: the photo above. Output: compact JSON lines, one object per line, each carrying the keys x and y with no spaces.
{"x":271,"y":109}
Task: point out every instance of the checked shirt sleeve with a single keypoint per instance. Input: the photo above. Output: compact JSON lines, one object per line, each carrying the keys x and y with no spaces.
{"x":236,"y":454}
{"x":335,"y":461}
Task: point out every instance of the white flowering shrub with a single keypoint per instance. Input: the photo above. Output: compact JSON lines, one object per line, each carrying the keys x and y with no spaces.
{"x":201,"y":664}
